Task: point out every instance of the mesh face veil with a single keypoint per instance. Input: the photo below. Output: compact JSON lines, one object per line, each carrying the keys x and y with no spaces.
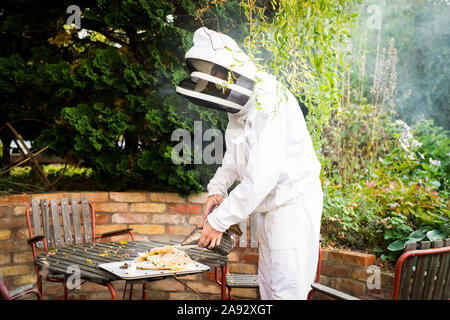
{"x":210,"y":91}
{"x":216,"y":79}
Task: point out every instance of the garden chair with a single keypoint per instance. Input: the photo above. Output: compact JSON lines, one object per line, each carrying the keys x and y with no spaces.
{"x":421,"y":273}
{"x":249,"y":239}
{"x":17,"y":293}
{"x":45,"y":231}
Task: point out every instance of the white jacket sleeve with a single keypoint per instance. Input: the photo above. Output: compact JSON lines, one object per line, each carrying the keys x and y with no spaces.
{"x":224,"y":177}
{"x":261,"y":174}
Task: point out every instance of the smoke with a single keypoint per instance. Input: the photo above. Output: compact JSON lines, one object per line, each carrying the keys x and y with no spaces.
{"x":422,"y":40}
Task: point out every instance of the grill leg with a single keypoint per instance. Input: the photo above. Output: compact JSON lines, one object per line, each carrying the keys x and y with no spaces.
{"x":66,"y":291}
{"x":144,"y":290}
{"x":131,"y":291}
{"x":223,"y":288}
{"x":112,"y":290}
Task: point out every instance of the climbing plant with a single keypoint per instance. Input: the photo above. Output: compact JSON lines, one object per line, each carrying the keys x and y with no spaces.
{"x":302,"y":43}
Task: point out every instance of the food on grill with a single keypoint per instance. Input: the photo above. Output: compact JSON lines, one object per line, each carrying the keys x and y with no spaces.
{"x":163,"y":258}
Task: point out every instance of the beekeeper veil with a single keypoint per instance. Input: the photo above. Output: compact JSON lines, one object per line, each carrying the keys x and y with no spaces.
{"x":221,"y":74}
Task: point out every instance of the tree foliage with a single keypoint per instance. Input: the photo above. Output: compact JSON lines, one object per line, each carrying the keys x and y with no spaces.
{"x":108,"y":91}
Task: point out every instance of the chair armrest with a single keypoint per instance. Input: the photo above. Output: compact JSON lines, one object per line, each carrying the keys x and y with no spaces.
{"x":20,"y":290}
{"x":35,"y":239}
{"x":116,"y":233}
{"x":332,"y":292}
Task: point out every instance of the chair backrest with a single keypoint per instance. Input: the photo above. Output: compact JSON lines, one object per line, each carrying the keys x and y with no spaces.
{"x":422,"y":272}
{"x":47,"y":216}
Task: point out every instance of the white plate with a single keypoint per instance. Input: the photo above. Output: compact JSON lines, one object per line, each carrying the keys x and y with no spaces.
{"x":114,"y":267}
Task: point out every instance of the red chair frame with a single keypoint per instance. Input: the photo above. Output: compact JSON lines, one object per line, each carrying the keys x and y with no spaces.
{"x":402,"y":259}
{"x":34,"y":239}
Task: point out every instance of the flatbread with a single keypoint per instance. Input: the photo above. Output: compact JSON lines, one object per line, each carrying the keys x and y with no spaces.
{"x":163,"y":258}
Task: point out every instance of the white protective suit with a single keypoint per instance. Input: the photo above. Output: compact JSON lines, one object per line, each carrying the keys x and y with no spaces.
{"x":269,"y":150}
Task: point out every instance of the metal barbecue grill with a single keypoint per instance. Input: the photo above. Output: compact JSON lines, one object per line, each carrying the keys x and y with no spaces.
{"x":88,"y":258}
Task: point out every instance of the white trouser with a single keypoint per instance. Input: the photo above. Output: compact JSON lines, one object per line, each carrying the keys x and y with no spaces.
{"x":289,"y":249}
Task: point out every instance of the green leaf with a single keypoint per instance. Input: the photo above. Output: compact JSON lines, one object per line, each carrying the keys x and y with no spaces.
{"x":417,"y":235}
{"x":435,"y":234}
{"x":397,"y":245}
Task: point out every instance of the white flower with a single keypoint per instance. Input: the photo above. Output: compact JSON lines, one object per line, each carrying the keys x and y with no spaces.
{"x":400,"y":122}
{"x":406,"y":135}
{"x":169,"y":18}
{"x":404,"y":145}
{"x":411,"y":156}
{"x":416,"y":143}
{"x":437,"y":163}
{"x":421,"y":155}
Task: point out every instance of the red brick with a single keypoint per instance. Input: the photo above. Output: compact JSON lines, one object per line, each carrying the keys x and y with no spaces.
{"x":325,"y":252}
{"x":110,"y":207}
{"x":199,"y":198}
{"x":351,"y":257}
{"x":48,"y":196}
{"x":14,"y":270}
{"x":204,"y":287}
{"x":210,"y":275}
{"x":148,"y":228}
{"x":129,"y":218}
{"x":12,"y":246}
{"x":91,"y":196}
{"x":167,"y":285}
{"x":2,"y":212}
{"x":138,"y":237}
{"x":148,"y":207}
{"x":103,"y":228}
{"x":23,"y":257}
{"x":5,"y":258}
{"x":250,"y":258}
{"x":336,"y":270}
{"x":349,"y":286}
{"x":186,"y":208}
{"x":245,"y":293}
{"x":101,"y":218}
{"x":5,"y":234}
{"x":128,"y":196}
{"x":16,"y":199}
{"x":243,"y":268}
{"x":24,"y":280}
{"x":163,"y":218}
{"x":20,"y":234}
{"x":19,"y":210}
{"x":12,"y":222}
{"x":179,"y":230}
{"x":166,"y":197}
{"x":233,"y":256}
{"x":195,"y":219}
{"x":196,"y":276}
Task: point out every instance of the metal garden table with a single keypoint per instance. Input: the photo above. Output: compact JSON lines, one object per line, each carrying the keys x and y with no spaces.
{"x":61,"y":262}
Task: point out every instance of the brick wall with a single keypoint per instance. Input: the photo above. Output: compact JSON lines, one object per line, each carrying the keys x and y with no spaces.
{"x":159,"y":216}
{"x":356,"y":274}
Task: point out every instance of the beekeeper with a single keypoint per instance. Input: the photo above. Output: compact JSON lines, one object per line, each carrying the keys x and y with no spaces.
{"x":269,"y":151}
